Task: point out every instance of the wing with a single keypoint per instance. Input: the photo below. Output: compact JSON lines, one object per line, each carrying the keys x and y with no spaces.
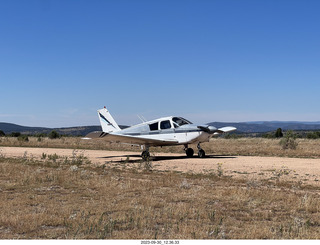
{"x":215,"y":131}
{"x":225,"y":130}
{"x":139,"y":140}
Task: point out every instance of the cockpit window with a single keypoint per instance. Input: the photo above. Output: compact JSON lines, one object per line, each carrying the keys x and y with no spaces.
{"x":154,"y":126}
{"x":165,"y":124}
{"x":180,"y":121}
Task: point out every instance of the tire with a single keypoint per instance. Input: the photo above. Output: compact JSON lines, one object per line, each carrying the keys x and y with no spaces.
{"x":145,"y":155}
{"x":189,"y":152}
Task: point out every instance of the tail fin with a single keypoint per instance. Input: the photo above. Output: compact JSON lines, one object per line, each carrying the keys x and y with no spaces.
{"x":107,"y":122}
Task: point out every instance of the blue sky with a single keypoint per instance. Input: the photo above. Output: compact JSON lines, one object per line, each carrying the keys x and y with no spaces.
{"x":218,"y":60}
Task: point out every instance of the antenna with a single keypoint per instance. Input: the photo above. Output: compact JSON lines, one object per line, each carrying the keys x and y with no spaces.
{"x":141,"y":118}
{"x":144,"y":118}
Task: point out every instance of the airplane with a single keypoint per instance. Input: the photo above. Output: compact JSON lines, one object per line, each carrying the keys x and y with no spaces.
{"x":165,"y":131}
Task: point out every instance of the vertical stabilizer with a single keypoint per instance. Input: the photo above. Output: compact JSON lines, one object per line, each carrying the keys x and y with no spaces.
{"x":107,"y":122}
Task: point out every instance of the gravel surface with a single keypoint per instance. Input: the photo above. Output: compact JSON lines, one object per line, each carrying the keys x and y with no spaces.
{"x":253,"y":168}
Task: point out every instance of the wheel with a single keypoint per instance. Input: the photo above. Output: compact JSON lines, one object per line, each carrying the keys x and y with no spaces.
{"x":189,"y":152}
{"x":145,"y":155}
{"x":201,"y":153}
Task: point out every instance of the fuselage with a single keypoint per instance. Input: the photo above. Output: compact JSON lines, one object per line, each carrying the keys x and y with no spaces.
{"x":172,"y":130}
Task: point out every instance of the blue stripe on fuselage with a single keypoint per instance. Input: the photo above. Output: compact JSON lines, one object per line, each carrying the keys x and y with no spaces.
{"x":165,"y":132}
{"x":105,"y":119}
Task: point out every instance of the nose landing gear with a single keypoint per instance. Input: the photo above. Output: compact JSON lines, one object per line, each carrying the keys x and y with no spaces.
{"x":201,"y":152}
{"x":190,"y":152}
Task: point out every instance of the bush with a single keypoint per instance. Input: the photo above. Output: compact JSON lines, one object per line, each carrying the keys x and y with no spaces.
{"x":289,"y":141}
{"x":313,"y":135}
{"x":2,"y":133}
{"x":231,"y":136}
{"x":41,"y":135}
{"x":15,"y":134}
{"x":270,"y":135}
{"x":23,"y":137}
{"x":54,"y":135}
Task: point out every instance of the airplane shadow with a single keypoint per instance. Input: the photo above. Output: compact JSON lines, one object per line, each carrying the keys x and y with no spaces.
{"x":162,"y":158}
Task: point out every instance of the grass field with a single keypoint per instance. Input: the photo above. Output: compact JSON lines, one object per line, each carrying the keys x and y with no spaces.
{"x":73,"y":199}
{"x":307,"y":148}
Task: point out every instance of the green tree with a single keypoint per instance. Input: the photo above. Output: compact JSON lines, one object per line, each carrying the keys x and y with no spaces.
{"x":2,"y":133}
{"x":54,"y":135}
{"x":279,"y":133}
{"x":15,"y":134}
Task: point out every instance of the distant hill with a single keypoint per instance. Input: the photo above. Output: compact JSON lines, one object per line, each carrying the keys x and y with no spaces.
{"x":262,"y":127}
{"x":243,"y":127}
{"x":8,"y":128}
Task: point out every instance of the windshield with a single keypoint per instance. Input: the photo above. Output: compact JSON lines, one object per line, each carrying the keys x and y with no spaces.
{"x":180,"y":121}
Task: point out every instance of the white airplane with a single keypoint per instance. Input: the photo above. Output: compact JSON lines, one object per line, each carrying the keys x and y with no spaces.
{"x":164,"y":131}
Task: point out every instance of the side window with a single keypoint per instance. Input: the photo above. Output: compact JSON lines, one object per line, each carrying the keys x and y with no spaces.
{"x":154,"y":126}
{"x":165,"y":124}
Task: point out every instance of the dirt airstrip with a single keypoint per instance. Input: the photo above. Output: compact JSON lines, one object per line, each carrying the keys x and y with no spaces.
{"x":300,"y":170}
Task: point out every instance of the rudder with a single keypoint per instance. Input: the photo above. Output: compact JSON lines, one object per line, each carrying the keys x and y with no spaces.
{"x":108,"y":124}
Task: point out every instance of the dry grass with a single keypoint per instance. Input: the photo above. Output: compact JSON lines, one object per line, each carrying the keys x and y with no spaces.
{"x":72,"y":199}
{"x":307,"y":148}
{"x":52,"y":199}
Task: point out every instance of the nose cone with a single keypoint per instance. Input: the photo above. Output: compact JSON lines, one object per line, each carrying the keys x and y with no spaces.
{"x":208,"y":129}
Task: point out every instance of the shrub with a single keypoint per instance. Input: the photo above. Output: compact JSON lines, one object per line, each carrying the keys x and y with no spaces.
{"x":15,"y":134}
{"x":54,"y":135}
{"x":23,"y":137}
{"x":289,"y":141}
{"x":41,"y":135}
{"x":313,"y":135}
{"x":2,"y":133}
{"x":270,"y":135}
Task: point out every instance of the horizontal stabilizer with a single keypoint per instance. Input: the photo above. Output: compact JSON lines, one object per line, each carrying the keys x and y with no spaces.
{"x":93,"y":135}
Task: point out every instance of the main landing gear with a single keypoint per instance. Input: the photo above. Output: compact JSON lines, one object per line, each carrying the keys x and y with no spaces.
{"x":190,"y":152}
{"x":145,"y":154}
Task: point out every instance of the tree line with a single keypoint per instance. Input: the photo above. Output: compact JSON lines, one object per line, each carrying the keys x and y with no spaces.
{"x":24,"y":137}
